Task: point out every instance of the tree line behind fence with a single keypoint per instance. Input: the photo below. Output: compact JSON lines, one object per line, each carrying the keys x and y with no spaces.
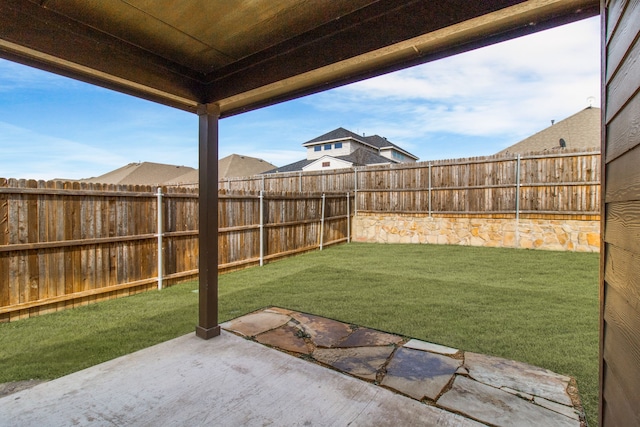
{"x":70,"y":243}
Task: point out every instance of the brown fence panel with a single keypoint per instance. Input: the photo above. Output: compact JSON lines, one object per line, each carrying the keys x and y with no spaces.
{"x":548,"y":184}
{"x":64,"y":244}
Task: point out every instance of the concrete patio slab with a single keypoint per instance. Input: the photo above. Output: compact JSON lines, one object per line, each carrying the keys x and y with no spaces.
{"x":234,"y":380}
{"x":499,"y":408}
{"x":226,"y":381}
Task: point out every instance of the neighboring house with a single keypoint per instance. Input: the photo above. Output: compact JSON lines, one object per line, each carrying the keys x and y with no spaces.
{"x":342,"y":148}
{"x":580,"y":131}
{"x":232,"y":166}
{"x":144,"y":173}
{"x":237,"y":165}
{"x":148,"y":173}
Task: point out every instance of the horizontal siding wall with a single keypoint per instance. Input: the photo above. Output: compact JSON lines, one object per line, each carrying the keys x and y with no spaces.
{"x":620,"y":291}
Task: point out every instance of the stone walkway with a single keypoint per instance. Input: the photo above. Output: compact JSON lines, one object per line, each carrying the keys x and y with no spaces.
{"x":485,"y":389}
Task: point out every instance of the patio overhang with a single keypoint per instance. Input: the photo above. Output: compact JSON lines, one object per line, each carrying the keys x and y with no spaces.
{"x":220,"y":58}
{"x":244,"y":54}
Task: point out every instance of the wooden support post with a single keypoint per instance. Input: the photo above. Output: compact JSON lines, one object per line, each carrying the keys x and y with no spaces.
{"x":208,"y":225}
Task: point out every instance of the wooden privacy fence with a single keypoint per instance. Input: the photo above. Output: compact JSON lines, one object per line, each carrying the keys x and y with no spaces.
{"x":69,"y":243}
{"x":553,"y":184}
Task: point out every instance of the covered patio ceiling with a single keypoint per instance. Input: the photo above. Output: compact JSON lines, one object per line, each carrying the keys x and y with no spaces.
{"x":245,"y":54}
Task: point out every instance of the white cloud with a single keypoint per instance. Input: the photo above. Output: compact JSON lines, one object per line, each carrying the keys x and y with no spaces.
{"x":508,"y":90}
{"x":16,"y":77}
{"x":39,"y":156}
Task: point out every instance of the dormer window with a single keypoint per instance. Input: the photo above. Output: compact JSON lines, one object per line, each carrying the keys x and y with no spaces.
{"x":327,"y":147}
{"x":338,"y":145}
{"x":317,"y":148}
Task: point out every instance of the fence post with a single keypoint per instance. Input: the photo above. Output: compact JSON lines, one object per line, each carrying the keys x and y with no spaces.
{"x":322,"y":223}
{"x":429,"y":193}
{"x":261,"y":228}
{"x":518,"y":202}
{"x":348,"y":220}
{"x":160,"y":223}
{"x":300,"y":181}
{"x":355,"y":191}
{"x":263,"y":182}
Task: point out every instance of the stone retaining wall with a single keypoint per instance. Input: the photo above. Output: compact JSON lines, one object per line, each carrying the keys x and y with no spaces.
{"x":549,"y":234}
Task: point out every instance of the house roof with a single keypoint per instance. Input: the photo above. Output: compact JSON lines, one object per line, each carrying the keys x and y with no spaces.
{"x":374,"y":141}
{"x":363,"y":157}
{"x":145,"y":173}
{"x":191,"y":178}
{"x":237,"y":165}
{"x":148,"y":173}
{"x":242,"y":54}
{"x":291,"y":167}
{"x":360,"y":157}
{"x":579,"y":131}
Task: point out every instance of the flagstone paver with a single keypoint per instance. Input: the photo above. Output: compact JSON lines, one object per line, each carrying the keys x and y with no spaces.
{"x":419,"y":373}
{"x":429,"y":346}
{"x":499,"y":372}
{"x":363,"y":362}
{"x":287,"y":337}
{"x":476,"y":387}
{"x":256,"y":323}
{"x":556,"y":407}
{"x":496,"y":407}
{"x":364,"y":337}
{"x":323,"y":332}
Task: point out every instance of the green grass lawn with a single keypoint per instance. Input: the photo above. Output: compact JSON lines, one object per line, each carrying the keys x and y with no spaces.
{"x":538,"y":307}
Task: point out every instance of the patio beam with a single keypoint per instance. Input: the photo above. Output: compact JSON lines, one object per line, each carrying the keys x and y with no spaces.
{"x":208,"y":115}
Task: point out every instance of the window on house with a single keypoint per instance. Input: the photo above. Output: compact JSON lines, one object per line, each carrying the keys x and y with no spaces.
{"x":327,"y":146}
{"x":317,"y":148}
{"x":337,"y":145}
{"x":326,"y":164}
{"x":397,"y":155}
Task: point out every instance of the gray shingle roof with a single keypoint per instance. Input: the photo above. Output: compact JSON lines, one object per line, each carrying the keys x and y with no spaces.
{"x":236,"y":165}
{"x":360,"y":157}
{"x":579,"y":131}
{"x":292,"y":167}
{"x":363,"y":157}
{"x":145,"y":173}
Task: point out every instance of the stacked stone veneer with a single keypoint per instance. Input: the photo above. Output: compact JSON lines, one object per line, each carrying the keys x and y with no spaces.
{"x":549,"y":234}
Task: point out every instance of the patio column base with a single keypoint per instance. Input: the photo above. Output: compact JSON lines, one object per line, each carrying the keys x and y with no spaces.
{"x":206,"y":334}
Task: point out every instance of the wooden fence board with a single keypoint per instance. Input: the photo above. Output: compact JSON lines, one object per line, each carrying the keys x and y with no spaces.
{"x":59,"y":239}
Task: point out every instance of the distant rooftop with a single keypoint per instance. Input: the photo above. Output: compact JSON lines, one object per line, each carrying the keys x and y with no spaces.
{"x":144,"y":173}
{"x":579,"y":131}
{"x":376,"y":141}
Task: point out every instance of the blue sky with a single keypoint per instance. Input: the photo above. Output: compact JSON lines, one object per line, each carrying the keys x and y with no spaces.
{"x":471,"y":104}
